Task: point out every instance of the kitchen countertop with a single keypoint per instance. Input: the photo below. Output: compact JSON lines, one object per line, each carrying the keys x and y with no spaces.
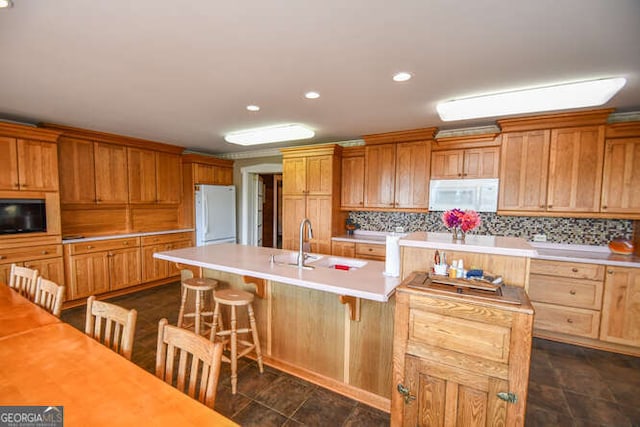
{"x":496,"y":245}
{"x":584,"y":253}
{"x":369,"y":237}
{"x":366,"y":282}
{"x":121,"y":236}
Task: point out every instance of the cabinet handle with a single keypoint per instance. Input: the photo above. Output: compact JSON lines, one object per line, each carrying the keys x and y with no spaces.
{"x":126,"y":243}
{"x":44,"y":252}
{"x":569,"y":320}
{"x":549,"y":206}
{"x":406,"y":394}
{"x":89,"y":247}
{"x":604,"y":207}
{"x":2,"y":257}
{"x":572,"y":291}
{"x":609,"y":271}
{"x":508,"y":396}
{"x":24,"y":185}
{"x":541,"y":206}
{"x":575,"y":270}
{"x":370,"y":249}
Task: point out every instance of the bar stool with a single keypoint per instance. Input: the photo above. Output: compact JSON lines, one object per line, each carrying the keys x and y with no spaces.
{"x":236,"y":298}
{"x":199,"y":286}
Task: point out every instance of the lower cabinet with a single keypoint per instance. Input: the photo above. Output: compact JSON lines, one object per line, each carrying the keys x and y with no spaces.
{"x":372,"y":251}
{"x":47,"y":259}
{"x":459,"y":361}
{"x":156,"y":269}
{"x":621,"y":306}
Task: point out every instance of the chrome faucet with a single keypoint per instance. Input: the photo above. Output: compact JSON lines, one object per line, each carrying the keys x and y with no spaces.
{"x":301,"y":254}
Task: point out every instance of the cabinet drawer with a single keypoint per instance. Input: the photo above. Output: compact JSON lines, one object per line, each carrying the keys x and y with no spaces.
{"x":371,"y":251}
{"x":563,"y":291}
{"x":164,"y":238}
{"x":566,"y":320}
{"x":568,"y":269}
{"x":103,"y":245}
{"x":32,"y":253}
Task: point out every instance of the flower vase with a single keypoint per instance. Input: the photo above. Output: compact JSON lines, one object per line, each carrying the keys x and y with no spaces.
{"x":458,"y":234}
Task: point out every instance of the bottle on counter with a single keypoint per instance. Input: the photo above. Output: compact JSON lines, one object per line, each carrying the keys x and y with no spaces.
{"x":453,"y":270}
{"x":460,"y":270}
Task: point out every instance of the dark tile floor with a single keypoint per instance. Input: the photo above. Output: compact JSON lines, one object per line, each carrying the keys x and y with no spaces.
{"x":569,"y":385}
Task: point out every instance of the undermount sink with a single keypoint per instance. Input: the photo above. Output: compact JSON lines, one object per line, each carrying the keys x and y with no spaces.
{"x":338,"y":263}
{"x":291,"y":258}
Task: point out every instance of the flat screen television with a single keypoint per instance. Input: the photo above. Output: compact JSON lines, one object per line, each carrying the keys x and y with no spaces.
{"x":22,"y":216}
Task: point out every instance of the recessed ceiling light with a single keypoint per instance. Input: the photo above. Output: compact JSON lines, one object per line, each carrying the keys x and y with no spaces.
{"x":5,"y":4}
{"x":402,"y":77}
{"x":269,"y":134}
{"x":253,"y":108}
{"x":312,"y":95}
{"x":560,"y":97}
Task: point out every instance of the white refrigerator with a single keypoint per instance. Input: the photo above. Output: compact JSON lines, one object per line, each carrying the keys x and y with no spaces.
{"x":215,"y":214}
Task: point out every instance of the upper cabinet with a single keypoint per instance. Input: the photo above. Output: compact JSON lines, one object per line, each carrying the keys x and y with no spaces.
{"x":28,"y":164}
{"x":553,"y":164}
{"x":312,"y":175}
{"x":352,"y":191}
{"x":621,"y":174}
{"x":110,"y":173}
{"x":467,"y":157}
{"x":154,"y":177}
{"x":396,"y":170}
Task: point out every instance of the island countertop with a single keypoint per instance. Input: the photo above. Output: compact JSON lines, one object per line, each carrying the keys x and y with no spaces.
{"x":366,"y":282}
{"x":496,"y":245}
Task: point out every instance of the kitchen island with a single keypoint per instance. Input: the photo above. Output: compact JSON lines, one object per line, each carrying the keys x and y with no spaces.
{"x":329,"y":326}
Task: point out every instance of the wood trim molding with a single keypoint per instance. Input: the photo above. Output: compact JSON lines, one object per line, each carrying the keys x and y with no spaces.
{"x":112,"y":138}
{"x":467,"y":141}
{"x":207,"y":160}
{"x":551,"y":121}
{"x":401,"y":136}
{"x":622,"y":130}
{"x":312,"y":150}
{"x":28,"y":132}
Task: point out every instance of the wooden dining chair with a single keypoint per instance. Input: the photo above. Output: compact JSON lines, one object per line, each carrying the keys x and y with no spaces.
{"x":49,"y":295}
{"x":23,"y":280}
{"x":198,"y":366}
{"x":111,"y":325}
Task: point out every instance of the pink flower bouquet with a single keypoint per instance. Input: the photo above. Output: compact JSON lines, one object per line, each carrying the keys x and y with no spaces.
{"x":459,"y":219}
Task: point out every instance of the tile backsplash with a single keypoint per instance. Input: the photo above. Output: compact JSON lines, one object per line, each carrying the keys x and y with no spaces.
{"x":581,"y":231}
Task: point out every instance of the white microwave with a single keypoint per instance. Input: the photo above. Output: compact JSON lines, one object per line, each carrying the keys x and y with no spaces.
{"x":480,"y":195}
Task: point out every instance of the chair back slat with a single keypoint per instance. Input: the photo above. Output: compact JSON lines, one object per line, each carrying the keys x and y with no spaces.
{"x":119,"y":327}
{"x":198,"y":366}
{"x":49,"y":295}
{"x":24,"y":281}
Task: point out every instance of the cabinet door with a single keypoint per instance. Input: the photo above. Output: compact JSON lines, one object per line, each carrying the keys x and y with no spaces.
{"x":293,"y":211}
{"x":37,"y":165}
{"x":223,"y":175}
{"x":77,"y":175}
{"x":319,"y":213}
{"x":153,"y":268}
{"x":523,"y":172}
{"x":621,"y":177}
{"x":319,"y":175}
{"x":412,"y":175}
{"x":8,"y":164}
{"x":352,"y":182}
{"x":111,"y":173}
{"x":575,"y":164}
{"x":345,"y":249}
{"x":172,"y":269}
{"x":5,"y":271}
{"x":124,"y":268}
{"x":449,"y":396}
{"x":51,"y":269}
{"x":168,"y":178}
{"x":89,"y":275}
{"x":481,"y":163}
{"x":380,"y":175}
{"x":204,"y":174}
{"x":621,"y":306}
{"x":294,"y":173}
{"x":142,"y":175}
{"x":447,"y":164}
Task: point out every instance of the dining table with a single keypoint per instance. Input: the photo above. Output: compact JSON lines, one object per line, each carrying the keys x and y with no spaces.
{"x":47,"y":362}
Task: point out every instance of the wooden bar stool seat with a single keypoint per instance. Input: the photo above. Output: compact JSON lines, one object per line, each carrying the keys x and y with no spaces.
{"x":198,"y":287}
{"x":236,"y":298}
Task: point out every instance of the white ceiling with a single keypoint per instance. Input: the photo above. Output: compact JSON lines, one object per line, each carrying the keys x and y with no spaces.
{"x":183,"y":72}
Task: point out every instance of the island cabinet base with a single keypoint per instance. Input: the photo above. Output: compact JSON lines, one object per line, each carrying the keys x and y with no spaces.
{"x":309,"y":333}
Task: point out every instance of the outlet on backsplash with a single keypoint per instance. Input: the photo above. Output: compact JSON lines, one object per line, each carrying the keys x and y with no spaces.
{"x":539,"y":237}
{"x":399,"y":229}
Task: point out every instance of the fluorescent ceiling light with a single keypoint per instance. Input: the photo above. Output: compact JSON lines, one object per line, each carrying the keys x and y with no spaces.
{"x":253,"y":107}
{"x":269,"y":134}
{"x":402,"y":76}
{"x":5,"y":3}
{"x":312,"y":95}
{"x":572,"y":95}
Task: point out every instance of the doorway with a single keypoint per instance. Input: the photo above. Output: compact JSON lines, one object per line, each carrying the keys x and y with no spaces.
{"x":261,"y":213}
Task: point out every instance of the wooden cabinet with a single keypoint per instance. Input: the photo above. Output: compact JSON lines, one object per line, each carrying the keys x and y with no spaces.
{"x":465,"y":164}
{"x":101,"y":266}
{"x":47,"y":259}
{"x":310,"y":182}
{"x":111,"y":173}
{"x":352,"y":191}
{"x":621,"y":176}
{"x":156,"y":269}
{"x":567,"y":297}
{"x":459,"y":361}
{"x":621,"y":306}
{"x":397,"y":175}
{"x":372,"y":251}
{"x":343,"y":249}
{"x":77,"y":177}
{"x":154,"y":177}
{"x":29,"y":165}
